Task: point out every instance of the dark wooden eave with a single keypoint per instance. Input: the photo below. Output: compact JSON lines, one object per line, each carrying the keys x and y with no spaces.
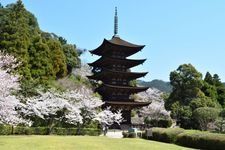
{"x":116,"y":44}
{"x":108,"y":61}
{"x":106,"y":74}
{"x":126,"y":105}
{"x":108,"y":88}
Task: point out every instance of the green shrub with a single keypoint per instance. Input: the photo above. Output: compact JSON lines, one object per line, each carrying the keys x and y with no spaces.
{"x":92,"y":132}
{"x":5,"y":130}
{"x":59,"y":131}
{"x":39,"y":130}
{"x":205,"y":115}
{"x":74,"y":131}
{"x":157,"y":134}
{"x":125,"y":134}
{"x":165,"y":135}
{"x":71,"y":131}
{"x":189,"y":138}
{"x":132,"y":134}
{"x":20,"y":130}
{"x":201,"y":140}
{"x":163,"y":123}
{"x":129,"y":134}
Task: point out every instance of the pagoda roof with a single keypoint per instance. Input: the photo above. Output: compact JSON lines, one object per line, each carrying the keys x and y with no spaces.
{"x":108,"y":88}
{"x":108,"y":61}
{"x":106,"y":73}
{"x":117,"y":44}
{"x":118,"y":41}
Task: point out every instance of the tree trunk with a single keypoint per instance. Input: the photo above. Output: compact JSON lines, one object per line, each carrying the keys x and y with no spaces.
{"x":51,"y":125}
{"x":12,"y":129}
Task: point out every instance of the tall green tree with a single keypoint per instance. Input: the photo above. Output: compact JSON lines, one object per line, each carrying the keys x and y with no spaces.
{"x":187,"y":83}
{"x":216,"y":80}
{"x":187,"y":95}
{"x":40,"y":61}
{"x":209,"y":78}
{"x":58,"y":58}
{"x":15,"y":35}
{"x":209,"y":88}
{"x":72,"y":57}
{"x":215,"y":88}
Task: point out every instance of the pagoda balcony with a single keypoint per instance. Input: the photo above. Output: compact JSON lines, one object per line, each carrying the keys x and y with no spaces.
{"x":108,"y":89}
{"x":107,"y":75}
{"x":112,"y":63}
{"x":125,"y":105}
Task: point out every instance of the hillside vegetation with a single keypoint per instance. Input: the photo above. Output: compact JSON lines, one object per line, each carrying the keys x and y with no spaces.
{"x":44,"y":56}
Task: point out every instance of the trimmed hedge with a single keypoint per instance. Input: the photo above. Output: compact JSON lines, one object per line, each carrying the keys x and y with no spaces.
{"x":75,"y":131}
{"x":5,"y":130}
{"x":202,"y":140}
{"x":20,"y":130}
{"x":189,"y":138}
{"x":131,"y":134}
{"x":165,"y":135}
{"x":39,"y":130}
{"x":163,"y":123}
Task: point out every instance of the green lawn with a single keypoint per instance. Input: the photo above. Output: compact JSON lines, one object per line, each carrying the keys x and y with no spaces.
{"x":80,"y":143}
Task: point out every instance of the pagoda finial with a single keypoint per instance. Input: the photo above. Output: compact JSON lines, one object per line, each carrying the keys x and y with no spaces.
{"x":115,"y":23}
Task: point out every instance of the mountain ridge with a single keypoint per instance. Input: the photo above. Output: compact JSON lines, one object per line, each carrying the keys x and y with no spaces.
{"x":156,"y":83}
{"x":161,"y":85}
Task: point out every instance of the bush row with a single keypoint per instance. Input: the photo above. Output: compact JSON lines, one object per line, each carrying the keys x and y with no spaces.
{"x":5,"y":130}
{"x":189,"y":138}
{"x":202,"y":140}
{"x":164,"y":123}
{"x":8,"y":130}
{"x":131,"y":134}
{"x":165,"y":135}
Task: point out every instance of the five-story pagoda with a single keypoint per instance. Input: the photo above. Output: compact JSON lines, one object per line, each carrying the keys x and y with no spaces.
{"x":113,"y":69}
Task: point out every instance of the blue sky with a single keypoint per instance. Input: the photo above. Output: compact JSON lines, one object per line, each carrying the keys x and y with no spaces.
{"x":174,"y":31}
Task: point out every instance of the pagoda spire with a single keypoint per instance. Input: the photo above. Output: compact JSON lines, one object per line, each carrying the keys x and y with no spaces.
{"x":115,"y":23}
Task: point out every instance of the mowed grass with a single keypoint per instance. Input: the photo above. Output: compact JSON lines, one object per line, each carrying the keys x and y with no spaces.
{"x":80,"y":143}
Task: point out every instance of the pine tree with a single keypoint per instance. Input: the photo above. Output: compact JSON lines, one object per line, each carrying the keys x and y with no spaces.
{"x":40,"y":61}
{"x":58,"y":58}
{"x":15,"y":35}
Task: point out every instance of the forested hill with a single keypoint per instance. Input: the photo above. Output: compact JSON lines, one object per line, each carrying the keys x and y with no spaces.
{"x":158,"y":84}
{"x":44,"y":56}
{"x":224,"y":83}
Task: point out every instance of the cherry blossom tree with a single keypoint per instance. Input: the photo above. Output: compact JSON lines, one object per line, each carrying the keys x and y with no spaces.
{"x":51,"y":107}
{"x":77,"y":107}
{"x":156,"y":110}
{"x":89,"y":104}
{"x":83,"y":71}
{"x":107,"y":117}
{"x":9,"y":104}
